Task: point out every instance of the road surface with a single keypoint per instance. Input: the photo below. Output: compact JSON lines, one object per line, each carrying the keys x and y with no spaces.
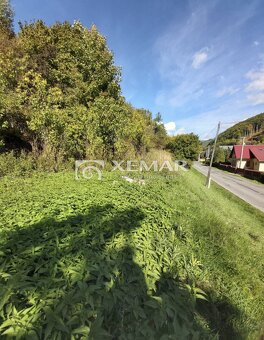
{"x":247,"y":190}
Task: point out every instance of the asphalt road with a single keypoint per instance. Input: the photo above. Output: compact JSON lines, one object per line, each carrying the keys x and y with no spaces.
{"x":247,"y":190}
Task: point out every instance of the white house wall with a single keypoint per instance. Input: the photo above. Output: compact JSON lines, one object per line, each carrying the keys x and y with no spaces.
{"x":261,"y":166}
{"x":243,"y":164}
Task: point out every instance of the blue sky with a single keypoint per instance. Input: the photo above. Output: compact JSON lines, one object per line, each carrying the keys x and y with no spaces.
{"x":195,"y":62}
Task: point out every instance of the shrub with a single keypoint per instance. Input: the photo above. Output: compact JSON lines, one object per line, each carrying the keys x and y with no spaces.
{"x":24,"y":164}
{"x":13,"y":165}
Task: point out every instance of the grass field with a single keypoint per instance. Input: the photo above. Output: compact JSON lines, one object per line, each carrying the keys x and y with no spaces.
{"x":109,"y":259}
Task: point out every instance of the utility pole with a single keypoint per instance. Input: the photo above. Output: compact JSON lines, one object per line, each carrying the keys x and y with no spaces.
{"x":208,"y":152}
{"x":208,"y":180}
{"x":242,"y":151}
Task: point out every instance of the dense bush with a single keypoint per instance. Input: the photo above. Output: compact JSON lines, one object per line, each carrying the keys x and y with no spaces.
{"x":185,"y":146}
{"x":14,"y":165}
{"x":60,"y":91}
{"x":106,"y":266}
{"x":110,"y":259}
{"x":25,"y":164}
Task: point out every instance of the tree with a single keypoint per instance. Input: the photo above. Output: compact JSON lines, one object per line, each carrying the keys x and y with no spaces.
{"x":6,"y":17}
{"x":158,"y":118}
{"x":160,"y":136}
{"x":220,"y":155}
{"x":107,"y":119}
{"x":11,"y":68}
{"x":60,"y":91}
{"x":186,"y":146}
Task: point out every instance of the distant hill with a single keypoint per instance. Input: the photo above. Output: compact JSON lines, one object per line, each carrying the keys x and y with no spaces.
{"x":251,"y":128}
{"x":205,"y":143}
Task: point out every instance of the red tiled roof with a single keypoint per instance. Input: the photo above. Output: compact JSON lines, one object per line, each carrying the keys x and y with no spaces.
{"x":256,"y":150}
{"x":258,"y":153}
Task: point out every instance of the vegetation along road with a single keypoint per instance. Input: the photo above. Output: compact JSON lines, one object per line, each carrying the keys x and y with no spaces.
{"x":247,"y":190}
{"x":114,"y":260}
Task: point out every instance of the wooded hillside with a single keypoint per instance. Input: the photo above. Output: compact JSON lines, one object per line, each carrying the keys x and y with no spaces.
{"x":251,"y":128}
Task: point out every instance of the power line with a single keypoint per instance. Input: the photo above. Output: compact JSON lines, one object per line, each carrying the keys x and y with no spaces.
{"x":211,"y":131}
{"x":207,"y":135}
{"x":229,"y":123}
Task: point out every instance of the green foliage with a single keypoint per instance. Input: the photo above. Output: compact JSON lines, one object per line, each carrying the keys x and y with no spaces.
{"x":107,"y":124}
{"x":160,"y":136}
{"x":244,"y":128}
{"x":186,"y":146}
{"x":221,"y":155}
{"x":101,"y":267}
{"x":25,"y":164}
{"x":111,"y":259}
{"x":16,"y":166}
{"x":6,"y":16}
{"x":60,"y":91}
{"x":141,"y":128}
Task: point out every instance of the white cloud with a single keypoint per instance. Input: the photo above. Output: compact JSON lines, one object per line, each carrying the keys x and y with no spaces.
{"x":256,"y":86}
{"x":257,"y":80}
{"x":257,"y":99}
{"x":198,"y":100}
{"x":227,"y":91}
{"x":256,"y":43}
{"x":180,"y":131}
{"x":177,"y":62}
{"x":200,"y":58}
{"x":170,"y":127}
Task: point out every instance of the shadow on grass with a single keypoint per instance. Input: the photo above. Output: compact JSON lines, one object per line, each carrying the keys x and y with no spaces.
{"x":77,"y":278}
{"x":218,"y":316}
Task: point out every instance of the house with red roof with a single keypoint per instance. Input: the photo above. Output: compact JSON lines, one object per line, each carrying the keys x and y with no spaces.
{"x":252,"y":158}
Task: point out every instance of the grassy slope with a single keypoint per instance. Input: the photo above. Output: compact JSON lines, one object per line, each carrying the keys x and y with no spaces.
{"x":126,"y":260}
{"x":228,"y":238}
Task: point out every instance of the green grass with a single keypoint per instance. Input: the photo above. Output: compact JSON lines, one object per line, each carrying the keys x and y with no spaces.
{"x":108,"y":259}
